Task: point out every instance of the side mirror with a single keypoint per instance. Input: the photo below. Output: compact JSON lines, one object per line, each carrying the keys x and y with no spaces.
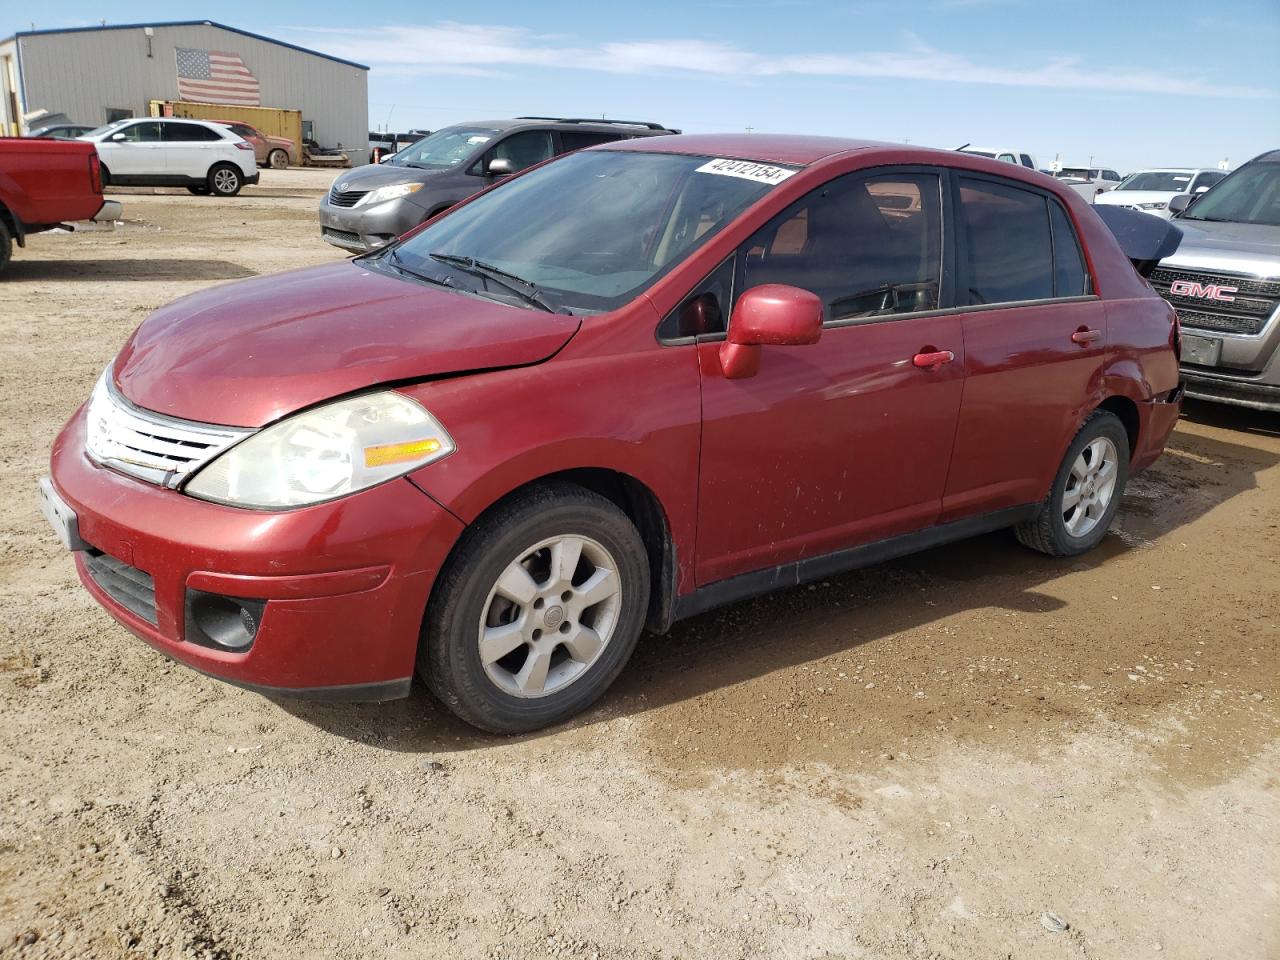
{"x":772,"y":314}
{"x":1180,"y":202}
{"x":117,"y":137}
{"x":500,"y":167}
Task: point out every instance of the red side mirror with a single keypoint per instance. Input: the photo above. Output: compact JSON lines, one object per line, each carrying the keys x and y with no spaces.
{"x":772,"y":314}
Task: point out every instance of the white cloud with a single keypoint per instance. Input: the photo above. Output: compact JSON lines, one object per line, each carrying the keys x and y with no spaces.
{"x":478,"y":49}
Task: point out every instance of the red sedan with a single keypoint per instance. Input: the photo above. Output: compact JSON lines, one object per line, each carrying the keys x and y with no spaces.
{"x":624,"y":387}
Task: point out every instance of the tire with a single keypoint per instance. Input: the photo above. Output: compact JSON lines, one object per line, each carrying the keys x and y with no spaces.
{"x":6,"y":245}
{"x":199,"y":191}
{"x":1063,"y":528}
{"x":225,"y":180}
{"x":512,"y":552}
{"x":106,"y":175}
{"x":278,"y":160}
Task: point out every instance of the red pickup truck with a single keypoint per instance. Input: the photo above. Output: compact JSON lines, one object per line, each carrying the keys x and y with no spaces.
{"x":46,"y":183}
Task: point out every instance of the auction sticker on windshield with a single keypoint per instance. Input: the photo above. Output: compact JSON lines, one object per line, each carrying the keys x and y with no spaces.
{"x":746,"y":170}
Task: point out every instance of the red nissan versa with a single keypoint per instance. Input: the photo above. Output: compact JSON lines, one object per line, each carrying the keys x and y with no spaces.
{"x":624,"y":387}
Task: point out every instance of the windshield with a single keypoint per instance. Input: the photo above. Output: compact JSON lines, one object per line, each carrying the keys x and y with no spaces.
{"x":1250,"y":195}
{"x":444,"y":148}
{"x":591,"y":230}
{"x":1165,"y":181}
{"x":106,"y":128}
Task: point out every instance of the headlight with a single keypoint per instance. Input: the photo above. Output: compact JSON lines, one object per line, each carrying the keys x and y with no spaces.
{"x":1152,"y":206}
{"x":383,"y":194}
{"x":325,"y":453}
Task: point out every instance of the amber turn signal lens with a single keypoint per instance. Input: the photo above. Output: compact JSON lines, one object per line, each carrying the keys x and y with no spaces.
{"x":390,"y":453}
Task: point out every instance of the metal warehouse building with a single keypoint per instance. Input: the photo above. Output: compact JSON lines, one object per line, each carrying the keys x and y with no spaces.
{"x":97,"y":74}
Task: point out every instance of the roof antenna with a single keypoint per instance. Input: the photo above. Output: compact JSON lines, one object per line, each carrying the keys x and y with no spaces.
{"x":961,"y":147}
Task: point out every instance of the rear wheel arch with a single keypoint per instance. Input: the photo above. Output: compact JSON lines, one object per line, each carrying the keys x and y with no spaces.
{"x":1127,"y":412}
{"x":13,"y":225}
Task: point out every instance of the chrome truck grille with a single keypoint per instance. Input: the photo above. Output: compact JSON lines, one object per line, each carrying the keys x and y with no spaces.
{"x":150,"y":446}
{"x":1252,"y":301}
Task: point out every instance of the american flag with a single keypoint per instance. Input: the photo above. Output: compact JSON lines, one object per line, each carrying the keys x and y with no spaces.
{"x":215,"y":76}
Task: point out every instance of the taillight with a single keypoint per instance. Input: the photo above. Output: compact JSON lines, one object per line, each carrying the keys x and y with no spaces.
{"x":95,"y":172}
{"x":244,"y":146}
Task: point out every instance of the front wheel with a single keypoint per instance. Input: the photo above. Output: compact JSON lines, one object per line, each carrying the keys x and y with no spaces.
{"x":225,"y":180}
{"x":1086,"y":492}
{"x":537,"y":611}
{"x":278,"y":159}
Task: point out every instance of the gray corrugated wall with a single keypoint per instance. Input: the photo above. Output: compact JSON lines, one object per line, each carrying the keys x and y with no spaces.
{"x":84,"y":73}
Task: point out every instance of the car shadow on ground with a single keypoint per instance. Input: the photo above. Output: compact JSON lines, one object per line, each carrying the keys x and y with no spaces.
{"x":126,"y":270}
{"x":1260,"y":422}
{"x":798,"y":625}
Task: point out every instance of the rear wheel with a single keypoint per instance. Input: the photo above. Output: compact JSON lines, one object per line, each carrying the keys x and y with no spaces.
{"x":225,"y":180}
{"x":1086,"y":492}
{"x":6,"y":245}
{"x":537,"y":611}
{"x":278,"y":159}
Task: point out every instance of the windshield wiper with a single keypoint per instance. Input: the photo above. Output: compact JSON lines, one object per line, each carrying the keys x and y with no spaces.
{"x":394,"y":259}
{"x":525,"y":289}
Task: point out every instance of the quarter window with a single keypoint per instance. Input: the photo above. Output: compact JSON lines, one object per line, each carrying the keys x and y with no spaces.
{"x":1006,"y":243}
{"x":868,"y":246}
{"x":1069,"y":276}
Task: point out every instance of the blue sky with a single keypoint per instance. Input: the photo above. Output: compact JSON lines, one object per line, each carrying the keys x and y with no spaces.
{"x":1130,"y":84}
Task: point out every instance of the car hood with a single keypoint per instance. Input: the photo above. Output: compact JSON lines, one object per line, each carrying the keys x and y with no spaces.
{"x":1251,"y":248}
{"x":1134,"y":197}
{"x":374,"y":175}
{"x":247,"y":353}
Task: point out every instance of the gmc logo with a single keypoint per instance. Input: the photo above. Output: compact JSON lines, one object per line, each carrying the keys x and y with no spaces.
{"x":1203,"y":291}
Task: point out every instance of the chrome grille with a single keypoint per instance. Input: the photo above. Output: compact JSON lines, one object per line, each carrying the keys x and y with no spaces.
{"x":150,"y":446}
{"x":345,"y":198}
{"x":1255,"y":300}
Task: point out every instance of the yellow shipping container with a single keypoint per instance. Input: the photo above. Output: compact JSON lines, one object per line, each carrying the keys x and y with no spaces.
{"x":270,"y":120}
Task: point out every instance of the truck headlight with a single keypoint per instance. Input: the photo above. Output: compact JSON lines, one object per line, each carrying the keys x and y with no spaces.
{"x":1158,"y":205}
{"x":324,"y":453}
{"x":383,"y":194}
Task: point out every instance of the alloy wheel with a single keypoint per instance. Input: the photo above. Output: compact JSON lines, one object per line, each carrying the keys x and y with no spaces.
{"x":225,"y":181}
{"x":1091,"y":485}
{"x":549,"y":616}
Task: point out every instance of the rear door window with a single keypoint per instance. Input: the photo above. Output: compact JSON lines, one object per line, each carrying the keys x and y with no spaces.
{"x":1005,"y":243}
{"x":1206,"y":180}
{"x":189,"y":133}
{"x":577,"y":140}
{"x":868,"y":246}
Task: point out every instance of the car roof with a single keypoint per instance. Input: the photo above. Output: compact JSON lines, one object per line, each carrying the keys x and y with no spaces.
{"x":791,"y":149}
{"x":637,"y":127}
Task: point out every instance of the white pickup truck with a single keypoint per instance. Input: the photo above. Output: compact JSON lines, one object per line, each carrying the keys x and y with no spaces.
{"x":1007,"y":154}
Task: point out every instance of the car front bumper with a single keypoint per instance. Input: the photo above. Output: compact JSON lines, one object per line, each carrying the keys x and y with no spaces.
{"x":336,"y":591}
{"x":361,"y":229}
{"x":1260,"y":392}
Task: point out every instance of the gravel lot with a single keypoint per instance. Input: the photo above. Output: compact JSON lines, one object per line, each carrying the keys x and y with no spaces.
{"x":920,"y":760}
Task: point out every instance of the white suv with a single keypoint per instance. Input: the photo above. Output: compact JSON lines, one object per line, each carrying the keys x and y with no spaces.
{"x":163,"y":152}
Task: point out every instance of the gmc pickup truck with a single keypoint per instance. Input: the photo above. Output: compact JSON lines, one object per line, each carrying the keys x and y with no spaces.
{"x":1224,"y":281}
{"x":45,"y":184}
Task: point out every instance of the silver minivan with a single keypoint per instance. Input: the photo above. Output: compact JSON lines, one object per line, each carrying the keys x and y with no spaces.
{"x":370,"y":206}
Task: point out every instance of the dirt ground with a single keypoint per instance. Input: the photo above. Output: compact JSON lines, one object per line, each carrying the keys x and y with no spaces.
{"x":920,"y":760}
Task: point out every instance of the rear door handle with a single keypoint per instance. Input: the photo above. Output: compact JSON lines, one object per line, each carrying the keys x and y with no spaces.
{"x":932,"y":359}
{"x":1084,"y":336}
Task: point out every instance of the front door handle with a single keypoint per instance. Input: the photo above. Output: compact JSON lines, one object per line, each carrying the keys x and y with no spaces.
{"x":930,"y":359}
{"x":1085,"y":336}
